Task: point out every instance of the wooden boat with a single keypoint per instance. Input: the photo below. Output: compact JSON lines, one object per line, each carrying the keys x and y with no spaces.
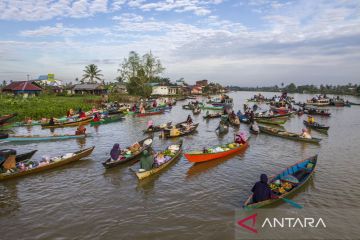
{"x":144,"y":174}
{"x":211,"y":107}
{"x":320,"y":112}
{"x":280,"y":110}
{"x":188,"y":107}
{"x":316,"y":126}
{"x":319,"y":102}
{"x":288,"y":135}
{"x":24,"y":124}
{"x":6,"y":118}
{"x":200,"y":156}
{"x":109,"y":164}
{"x":223,"y":129}
{"x":149,"y":113}
{"x":282,"y":116}
{"x":30,"y":138}
{"x":212,"y":115}
{"x":356,"y":104}
{"x":79,"y":122}
{"x":183,"y":132}
{"x":77,"y":156}
{"x":25,"y":156}
{"x":158,"y":128}
{"x":114,"y":118}
{"x":302,"y":171}
{"x":271,"y":121}
{"x":5,"y":126}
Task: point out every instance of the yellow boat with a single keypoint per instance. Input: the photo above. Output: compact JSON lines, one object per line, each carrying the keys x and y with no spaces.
{"x":153,"y":171}
{"x":77,"y":156}
{"x":69,"y":124}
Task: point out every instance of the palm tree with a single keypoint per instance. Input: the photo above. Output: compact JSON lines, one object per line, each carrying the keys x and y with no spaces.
{"x":92,"y":73}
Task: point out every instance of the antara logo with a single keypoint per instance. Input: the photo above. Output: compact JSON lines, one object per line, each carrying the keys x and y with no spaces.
{"x":282,"y":223}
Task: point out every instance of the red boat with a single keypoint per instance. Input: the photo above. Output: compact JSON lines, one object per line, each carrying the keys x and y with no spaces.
{"x":200,"y":156}
{"x":149,"y":113}
{"x":280,"y":110}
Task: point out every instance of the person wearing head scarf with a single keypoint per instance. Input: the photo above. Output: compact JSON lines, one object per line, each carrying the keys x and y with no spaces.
{"x":146,"y":161}
{"x":115,"y":152}
{"x":150,"y":125}
{"x":261,"y":190}
{"x":240,"y":138}
{"x":305,"y":134}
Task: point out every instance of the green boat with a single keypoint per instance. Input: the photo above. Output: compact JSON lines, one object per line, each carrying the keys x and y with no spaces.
{"x":210,"y":107}
{"x":273,"y":121}
{"x":288,"y":135}
{"x":107,"y":120}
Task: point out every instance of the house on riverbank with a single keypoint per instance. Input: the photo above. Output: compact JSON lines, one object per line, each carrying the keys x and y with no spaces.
{"x":90,"y":88}
{"x":161,"y":90}
{"x":24,"y":88}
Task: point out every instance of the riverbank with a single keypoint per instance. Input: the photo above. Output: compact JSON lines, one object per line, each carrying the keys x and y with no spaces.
{"x":45,"y":106}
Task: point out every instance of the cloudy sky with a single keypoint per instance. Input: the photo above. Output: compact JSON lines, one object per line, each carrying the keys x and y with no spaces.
{"x":245,"y":43}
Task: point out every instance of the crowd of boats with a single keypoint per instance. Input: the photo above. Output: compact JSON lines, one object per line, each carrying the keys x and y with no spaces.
{"x":260,"y":120}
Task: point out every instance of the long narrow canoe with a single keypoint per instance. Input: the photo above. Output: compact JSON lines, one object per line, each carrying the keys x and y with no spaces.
{"x":355,"y":104}
{"x":144,"y":174}
{"x":284,"y":116}
{"x":158,"y":128}
{"x":200,"y":156}
{"x":320,"y":112}
{"x":302,"y":171}
{"x":23,"y":124}
{"x":109,"y":164}
{"x":114,"y":118}
{"x":274,"y":121}
{"x":56,"y":163}
{"x":31,"y":138}
{"x":69,"y":124}
{"x":5,"y":118}
{"x":211,"y":107}
{"x":288,"y":135}
{"x":316,"y":126}
{"x":149,"y":113}
{"x":212,"y":115}
{"x":183,"y":132}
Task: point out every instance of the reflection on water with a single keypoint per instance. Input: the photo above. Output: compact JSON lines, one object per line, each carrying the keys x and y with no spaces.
{"x":83,"y":200}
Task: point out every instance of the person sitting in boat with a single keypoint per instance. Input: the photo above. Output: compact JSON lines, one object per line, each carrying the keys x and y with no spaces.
{"x":189,"y":120}
{"x":94,"y":110}
{"x":81,"y":130}
{"x":240,"y":138}
{"x":154,"y":104}
{"x":150,"y":125}
{"x":81,"y":113}
{"x":96,"y":117}
{"x":146,"y":161}
{"x":255,"y":107}
{"x":115,"y":152}
{"x":70,"y":113}
{"x":305,"y":134}
{"x":51,"y":122}
{"x":133,"y":109}
{"x":311,"y":119}
{"x":252,"y":116}
{"x":207,"y":113}
{"x":261,"y":190}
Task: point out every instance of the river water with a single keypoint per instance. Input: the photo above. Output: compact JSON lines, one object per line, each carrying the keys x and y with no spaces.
{"x":84,"y":201}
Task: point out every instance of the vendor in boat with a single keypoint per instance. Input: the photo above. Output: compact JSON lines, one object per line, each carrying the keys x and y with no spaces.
{"x":154,"y":104}
{"x":207,"y":113}
{"x":146,"y":161}
{"x":133,"y":109}
{"x":305,"y":134}
{"x":70,"y":113}
{"x":189,"y":120}
{"x":81,"y":130}
{"x":240,"y":138}
{"x":252,"y":116}
{"x":261,"y":190}
{"x":115,"y":152}
{"x":150,"y":125}
{"x":96,"y":117}
{"x":51,"y":122}
{"x":311,"y":119}
{"x":82,"y":113}
{"x":94,"y":110}
{"x":255,"y":127}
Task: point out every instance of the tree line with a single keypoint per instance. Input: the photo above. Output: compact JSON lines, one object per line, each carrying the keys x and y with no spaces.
{"x":348,"y":89}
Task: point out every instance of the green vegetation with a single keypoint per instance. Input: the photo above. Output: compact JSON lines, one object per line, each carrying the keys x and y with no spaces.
{"x":138,"y":72}
{"x":45,"y":105}
{"x":349,"y":89}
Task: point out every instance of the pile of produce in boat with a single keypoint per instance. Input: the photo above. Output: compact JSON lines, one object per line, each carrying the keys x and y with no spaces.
{"x":150,"y":165}
{"x":285,"y":183}
{"x":129,"y":153}
{"x":176,"y":131}
{"x":10,"y":168}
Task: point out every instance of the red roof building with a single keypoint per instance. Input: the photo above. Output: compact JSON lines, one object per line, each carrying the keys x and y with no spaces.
{"x":23,"y":87}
